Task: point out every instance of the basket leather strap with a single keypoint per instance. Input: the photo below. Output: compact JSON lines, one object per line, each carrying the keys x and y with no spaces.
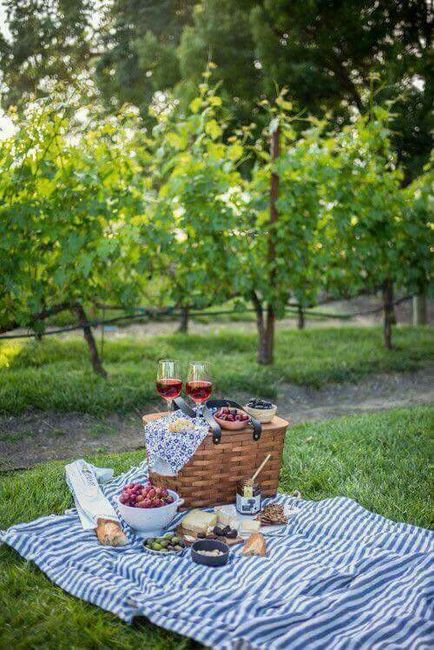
{"x":213,"y":425}
{"x":181,"y":404}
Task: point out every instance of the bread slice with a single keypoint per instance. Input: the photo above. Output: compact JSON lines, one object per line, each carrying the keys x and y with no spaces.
{"x":255,"y":545}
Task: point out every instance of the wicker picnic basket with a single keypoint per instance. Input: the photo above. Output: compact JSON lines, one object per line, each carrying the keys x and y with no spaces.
{"x":210,"y":477}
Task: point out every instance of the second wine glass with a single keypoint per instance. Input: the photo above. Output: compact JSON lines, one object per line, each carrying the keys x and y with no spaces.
{"x":199,"y":384}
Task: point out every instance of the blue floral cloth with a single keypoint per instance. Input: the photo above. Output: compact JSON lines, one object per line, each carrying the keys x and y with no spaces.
{"x":168,"y":451}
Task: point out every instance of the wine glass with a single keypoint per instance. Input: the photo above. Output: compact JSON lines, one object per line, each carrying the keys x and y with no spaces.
{"x":199,"y":384}
{"x":169,"y":382}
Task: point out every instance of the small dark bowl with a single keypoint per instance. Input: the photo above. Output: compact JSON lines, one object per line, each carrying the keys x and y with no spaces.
{"x":209,"y":545}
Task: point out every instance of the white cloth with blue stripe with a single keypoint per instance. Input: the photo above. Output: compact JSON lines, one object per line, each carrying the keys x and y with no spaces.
{"x":337,"y":576}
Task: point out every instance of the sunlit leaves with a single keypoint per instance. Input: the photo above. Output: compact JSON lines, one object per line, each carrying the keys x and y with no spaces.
{"x":71,"y":194}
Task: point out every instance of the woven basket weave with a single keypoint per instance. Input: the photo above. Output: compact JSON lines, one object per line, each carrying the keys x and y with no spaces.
{"x":210,"y":477}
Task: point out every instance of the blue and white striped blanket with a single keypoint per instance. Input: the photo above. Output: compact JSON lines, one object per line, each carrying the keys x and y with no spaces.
{"x":337,"y":576}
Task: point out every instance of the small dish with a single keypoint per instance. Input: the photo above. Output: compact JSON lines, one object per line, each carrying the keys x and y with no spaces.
{"x":168,"y":541}
{"x":209,"y":545}
{"x":262,"y":415}
{"x":152,"y":552}
{"x":232,"y":426}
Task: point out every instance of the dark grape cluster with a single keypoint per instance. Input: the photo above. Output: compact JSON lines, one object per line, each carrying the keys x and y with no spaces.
{"x":256,"y":403}
{"x":231,"y":415}
{"x":219,"y":531}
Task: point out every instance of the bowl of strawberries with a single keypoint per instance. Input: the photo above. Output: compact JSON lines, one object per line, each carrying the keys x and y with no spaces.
{"x":146,"y":508}
{"x":231,"y":418}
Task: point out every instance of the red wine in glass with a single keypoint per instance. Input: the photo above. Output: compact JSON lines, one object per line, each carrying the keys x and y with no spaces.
{"x":199,"y":384}
{"x":169,"y":383}
{"x":199,"y":391}
{"x":169,"y":388}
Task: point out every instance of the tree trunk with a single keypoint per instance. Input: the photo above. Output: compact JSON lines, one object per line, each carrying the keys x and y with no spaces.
{"x":388,"y":313}
{"x":91,"y":343}
{"x":266,"y":329}
{"x":184,"y":321}
{"x":265,"y":355}
{"x":420,"y":313}
{"x":265,"y":326}
{"x":300,"y":320}
{"x":268,"y":343}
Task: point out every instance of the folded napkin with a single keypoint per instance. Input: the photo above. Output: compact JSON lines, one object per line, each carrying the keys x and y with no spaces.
{"x":83,"y":480}
{"x":169,"y":451}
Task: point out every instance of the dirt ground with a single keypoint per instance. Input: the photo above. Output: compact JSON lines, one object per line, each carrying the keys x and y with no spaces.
{"x":36,"y":437}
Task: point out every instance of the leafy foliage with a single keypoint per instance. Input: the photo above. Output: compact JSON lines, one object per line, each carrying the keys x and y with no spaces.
{"x":95,"y":207}
{"x":48,"y":42}
{"x":373,"y":229}
{"x":72,"y":222}
{"x":144,"y":51}
{"x":199,"y":202}
{"x":291,"y":271}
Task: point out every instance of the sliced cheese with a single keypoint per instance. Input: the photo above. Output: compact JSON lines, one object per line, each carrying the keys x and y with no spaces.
{"x":198,"y":521}
{"x":250,"y":526}
{"x":224,"y":518}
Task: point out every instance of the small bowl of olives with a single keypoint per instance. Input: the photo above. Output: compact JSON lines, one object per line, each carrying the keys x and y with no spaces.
{"x":261,"y":409}
{"x":170,"y":543}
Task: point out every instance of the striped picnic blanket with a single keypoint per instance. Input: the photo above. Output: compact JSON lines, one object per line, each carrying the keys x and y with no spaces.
{"x":337,"y":576}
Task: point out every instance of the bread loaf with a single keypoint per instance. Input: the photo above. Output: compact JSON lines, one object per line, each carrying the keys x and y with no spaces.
{"x":110,"y":533}
{"x":255,"y":545}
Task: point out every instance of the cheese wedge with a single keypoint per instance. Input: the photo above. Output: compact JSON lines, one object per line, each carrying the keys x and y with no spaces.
{"x":223,"y":518}
{"x":249,"y":526}
{"x":198,"y":521}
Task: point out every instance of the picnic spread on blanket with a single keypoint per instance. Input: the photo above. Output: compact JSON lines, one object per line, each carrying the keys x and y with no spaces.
{"x":198,"y":540}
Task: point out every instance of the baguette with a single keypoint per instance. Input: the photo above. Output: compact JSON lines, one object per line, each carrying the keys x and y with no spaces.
{"x":110,"y":533}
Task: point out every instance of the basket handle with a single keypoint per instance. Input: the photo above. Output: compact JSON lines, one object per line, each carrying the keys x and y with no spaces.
{"x":207,"y":414}
{"x":253,"y":422}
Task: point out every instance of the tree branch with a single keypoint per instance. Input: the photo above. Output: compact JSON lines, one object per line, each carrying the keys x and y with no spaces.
{"x":34,"y":318}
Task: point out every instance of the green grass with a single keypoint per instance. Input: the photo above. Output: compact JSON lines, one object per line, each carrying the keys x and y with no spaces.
{"x":382,"y":460}
{"x":55,"y":374}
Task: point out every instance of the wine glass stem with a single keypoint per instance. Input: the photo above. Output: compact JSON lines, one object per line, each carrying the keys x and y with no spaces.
{"x":169,"y":405}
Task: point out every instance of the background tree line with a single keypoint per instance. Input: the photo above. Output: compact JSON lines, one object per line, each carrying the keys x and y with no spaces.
{"x":129,"y":171}
{"x":98,"y":208}
{"x":142,"y":52}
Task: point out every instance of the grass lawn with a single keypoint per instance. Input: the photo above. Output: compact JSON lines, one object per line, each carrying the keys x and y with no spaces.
{"x":55,"y":374}
{"x":382,"y":460}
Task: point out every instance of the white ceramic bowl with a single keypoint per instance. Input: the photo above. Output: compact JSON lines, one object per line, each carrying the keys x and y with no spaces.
{"x":150,"y":521}
{"x":263,"y":415}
